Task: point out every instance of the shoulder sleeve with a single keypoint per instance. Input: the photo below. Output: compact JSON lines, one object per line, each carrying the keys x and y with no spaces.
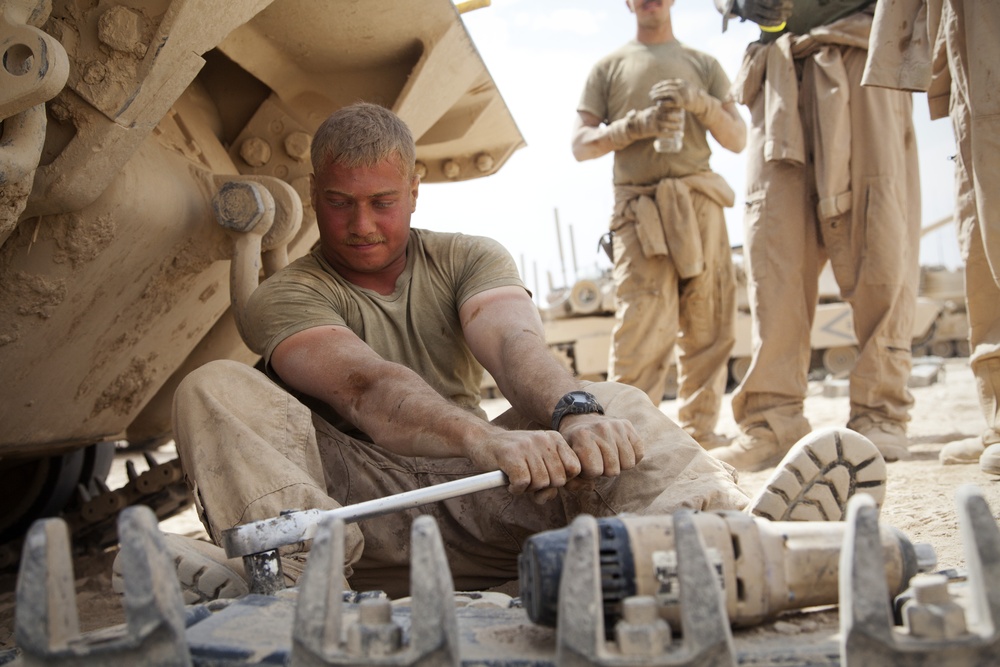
{"x":290,"y":301}
{"x":482,"y":264}
{"x":595,"y":92}
{"x":717,"y":81}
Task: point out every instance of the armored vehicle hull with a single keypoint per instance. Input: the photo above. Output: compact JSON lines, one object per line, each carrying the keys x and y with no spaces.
{"x":121,"y":124}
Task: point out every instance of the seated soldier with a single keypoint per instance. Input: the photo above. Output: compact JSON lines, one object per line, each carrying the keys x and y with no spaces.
{"x":374,"y":347}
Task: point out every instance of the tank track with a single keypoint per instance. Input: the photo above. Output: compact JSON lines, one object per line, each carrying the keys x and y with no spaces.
{"x":92,"y":519}
{"x":317,"y":624}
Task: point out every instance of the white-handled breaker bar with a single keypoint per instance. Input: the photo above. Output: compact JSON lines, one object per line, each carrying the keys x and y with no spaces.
{"x":258,"y":542}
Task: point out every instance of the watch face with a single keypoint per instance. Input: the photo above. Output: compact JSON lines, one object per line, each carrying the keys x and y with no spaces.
{"x":578,"y":402}
{"x":575,"y":403}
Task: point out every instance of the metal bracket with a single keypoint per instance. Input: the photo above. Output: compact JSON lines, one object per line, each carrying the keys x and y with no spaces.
{"x":35,"y":65}
{"x":375,"y":638}
{"x":707,"y":638}
{"x":868,"y":637}
{"x":47,"y":627}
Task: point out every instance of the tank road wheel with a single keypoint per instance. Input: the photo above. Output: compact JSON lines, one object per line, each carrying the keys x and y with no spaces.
{"x":37,"y":488}
{"x":738,"y":367}
{"x":585,"y":297}
{"x":97,"y":460}
{"x":43,"y":487}
{"x":921,"y":347}
{"x":839,"y":359}
{"x":943,"y":348}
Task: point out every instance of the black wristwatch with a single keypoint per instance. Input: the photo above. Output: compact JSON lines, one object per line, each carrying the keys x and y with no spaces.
{"x":575,"y":403}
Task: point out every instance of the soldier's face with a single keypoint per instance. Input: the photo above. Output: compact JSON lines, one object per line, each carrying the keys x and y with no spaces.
{"x":363,"y":215}
{"x":650,"y":12}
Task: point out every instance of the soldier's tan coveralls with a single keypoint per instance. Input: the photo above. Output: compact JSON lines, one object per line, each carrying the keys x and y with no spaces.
{"x":832,"y":174}
{"x":675,"y":284}
{"x":684,"y":296}
{"x":951,"y":49}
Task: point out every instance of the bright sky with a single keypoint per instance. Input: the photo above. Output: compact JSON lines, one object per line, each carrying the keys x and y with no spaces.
{"x":539,"y":53}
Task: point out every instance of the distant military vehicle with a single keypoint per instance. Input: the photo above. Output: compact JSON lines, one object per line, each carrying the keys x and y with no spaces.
{"x":579,"y":318}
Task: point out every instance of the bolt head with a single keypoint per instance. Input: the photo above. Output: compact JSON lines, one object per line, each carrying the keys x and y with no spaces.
{"x":255,"y":151}
{"x":934,"y":621}
{"x":930,"y":588}
{"x":95,"y":73}
{"x":639,"y":610}
{"x":375,"y":611}
{"x":484,"y":163}
{"x":122,"y":29}
{"x":451,"y":169}
{"x":238,"y":206}
{"x":297,"y":145}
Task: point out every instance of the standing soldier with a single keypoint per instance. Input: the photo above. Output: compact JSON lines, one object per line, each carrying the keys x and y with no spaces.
{"x":958,"y":74}
{"x":673,"y":267}
{"x":832,"y":175}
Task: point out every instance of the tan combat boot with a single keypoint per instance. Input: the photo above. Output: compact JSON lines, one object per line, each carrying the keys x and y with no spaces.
{"x":710,"y":440}
{"x":989,"y":462}
{"x":754,"y":449}
{"x":205,"y":573}
{"x":818,"y":475}
{"x":888,"y":436}
{"x":203,"y":570}
{"x":967,"y":450}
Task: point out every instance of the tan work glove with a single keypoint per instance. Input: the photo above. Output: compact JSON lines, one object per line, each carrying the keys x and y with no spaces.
{"x":766,"y":13}
{"x":652,"y":121}
{"x":680,"y":93}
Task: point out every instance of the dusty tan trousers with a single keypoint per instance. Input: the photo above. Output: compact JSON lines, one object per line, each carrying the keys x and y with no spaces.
{"x":250,"y":450}
{"x":973,"y":56}
{"x":657,"y":310}
{"x":873,"y":247}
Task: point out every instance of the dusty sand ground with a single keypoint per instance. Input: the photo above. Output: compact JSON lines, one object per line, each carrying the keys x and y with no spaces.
{"x":920,"y":496}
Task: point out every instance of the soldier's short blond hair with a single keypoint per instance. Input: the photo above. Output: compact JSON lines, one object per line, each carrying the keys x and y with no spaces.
{"x":364,"y":135}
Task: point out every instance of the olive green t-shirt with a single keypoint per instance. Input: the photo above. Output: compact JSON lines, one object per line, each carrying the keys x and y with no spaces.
{"x":621,"y":81}
{"x":417,"y":325}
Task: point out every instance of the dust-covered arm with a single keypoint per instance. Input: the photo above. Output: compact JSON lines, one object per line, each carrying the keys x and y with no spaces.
{"x":402,"y":413}
{"x":503,"y":329}
{"x":592,"y":138}
{"x":730,"y":130}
